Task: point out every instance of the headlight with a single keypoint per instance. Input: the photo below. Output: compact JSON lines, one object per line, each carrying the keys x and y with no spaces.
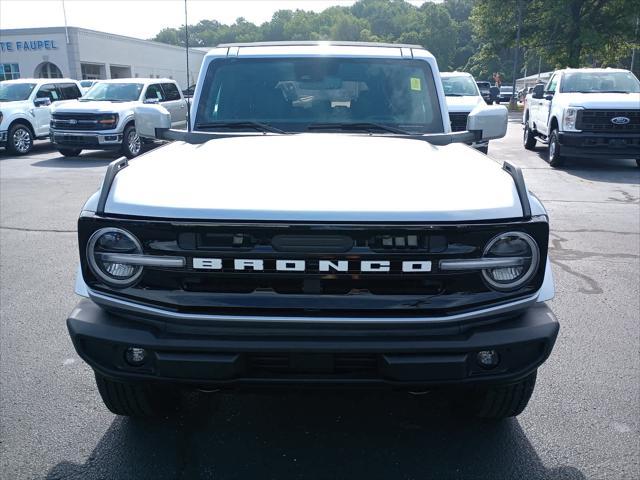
{"x":106,"y":242}
{"x":108,"y":121}
{"x":511,"y":245}
{"x":569,"y":118}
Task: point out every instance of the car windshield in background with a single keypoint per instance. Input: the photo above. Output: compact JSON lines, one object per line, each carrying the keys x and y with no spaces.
{"x":298,"y":94}
{"x":14,"y":92}
{"x":114,"y":92}
{"x":600,"y":82}
{"x":506,"y":88}
{"x":459,"y":86}
{"x":86,"y":83}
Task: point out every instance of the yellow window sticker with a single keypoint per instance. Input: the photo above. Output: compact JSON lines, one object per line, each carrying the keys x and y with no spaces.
{"x":415,"y":84}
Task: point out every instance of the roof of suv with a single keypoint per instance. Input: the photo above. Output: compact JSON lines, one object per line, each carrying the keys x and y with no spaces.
{"x":455,"y":74}
{"x":40,"y":80}
{"x":137,"y":79}
{"x":591,"y":70}
{"x":319,"y":43}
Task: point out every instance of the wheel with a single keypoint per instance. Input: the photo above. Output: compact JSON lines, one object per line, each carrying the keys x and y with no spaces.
{"x":638,"y":161}
{"x":529,"y":139}
{"x":131,"y":142}
{"x":497,"y":402}
{"x":137,"y":400}
{"x":554,"y":158}
{"x":484,"y":149}
{"x":70,"y":152}
{"x":19,"y":139}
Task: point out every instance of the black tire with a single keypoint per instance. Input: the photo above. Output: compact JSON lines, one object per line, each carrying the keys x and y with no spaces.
{"x":554,"y":157}
{"x":499,"y":401}
{"x":70,"y":152}
{"x":131,"y":142}
{"x":484,"y":150}
{"x":19,"y":139}
{"x":137,"y":400}
{"x":529,"y":139}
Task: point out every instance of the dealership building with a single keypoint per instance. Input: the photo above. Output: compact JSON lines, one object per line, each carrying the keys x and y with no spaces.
{"x":82,"y":54}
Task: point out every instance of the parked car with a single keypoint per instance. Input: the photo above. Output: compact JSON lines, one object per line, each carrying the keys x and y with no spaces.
{"x":588,"y":112}
{"x":484,"y":88}
{"x":103,"y":118}
{"x":86,"y":85}
{"x":318,"y":226}
{"x":25,"y":109}
{"x":463,"y":95}
{"x":505,"y":94}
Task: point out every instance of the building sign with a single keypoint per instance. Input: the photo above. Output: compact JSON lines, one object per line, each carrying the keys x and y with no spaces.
{"x":28,"y":45}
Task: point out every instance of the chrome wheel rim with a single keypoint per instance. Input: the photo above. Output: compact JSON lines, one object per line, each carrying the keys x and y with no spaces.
{"x":133,"y":140}
{"x":22,"y":140}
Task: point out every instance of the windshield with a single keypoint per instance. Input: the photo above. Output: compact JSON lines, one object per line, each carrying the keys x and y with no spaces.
{"x":506,"y":88}
{"x":294,"y":94}
{"x":600,"y":82}
{"x":14,"y":92}
{"x":114,"y":92}
{"x":459,"y":86}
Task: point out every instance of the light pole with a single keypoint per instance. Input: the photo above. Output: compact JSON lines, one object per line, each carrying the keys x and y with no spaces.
{"x":513,"y":101}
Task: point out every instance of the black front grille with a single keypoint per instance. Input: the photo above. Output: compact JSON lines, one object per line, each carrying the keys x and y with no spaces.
{"x":323,"y":363}
{"x":344,"y":289}
{"x":458,"y":121}
{"x":80,"y":121}
{"x":77,"y":140}
{"x":601,"y":121}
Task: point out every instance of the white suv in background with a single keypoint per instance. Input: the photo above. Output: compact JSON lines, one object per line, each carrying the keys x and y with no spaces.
{"x":463,"y":95}
{"x":25,"y":109}
{"x":103,"y":118}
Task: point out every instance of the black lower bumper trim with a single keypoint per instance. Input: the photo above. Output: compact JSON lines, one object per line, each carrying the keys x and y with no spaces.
{"x":599,"y":145}
{"x":522,"y":344}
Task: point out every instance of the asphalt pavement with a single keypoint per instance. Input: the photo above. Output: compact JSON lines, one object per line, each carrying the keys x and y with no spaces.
{"x":583,"y":421}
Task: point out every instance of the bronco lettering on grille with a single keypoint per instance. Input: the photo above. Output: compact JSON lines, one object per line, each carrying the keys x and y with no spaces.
{"x":366,"y":266}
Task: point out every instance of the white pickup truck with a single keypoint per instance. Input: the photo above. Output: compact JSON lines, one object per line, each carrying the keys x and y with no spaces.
{"x":587,"y":112}
{"x":103,"y":118}
{"x":25,"y":109}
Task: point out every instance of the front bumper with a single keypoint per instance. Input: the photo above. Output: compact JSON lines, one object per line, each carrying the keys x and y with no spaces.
{"x":599,"y":145}
{"x":352,"y":356}
{"x":88,"y":140}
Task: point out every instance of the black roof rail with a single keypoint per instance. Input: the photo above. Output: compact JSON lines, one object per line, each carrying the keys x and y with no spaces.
{"x":521,"y":188}
{"x":112,"y":170}
{"x":293,"y":43}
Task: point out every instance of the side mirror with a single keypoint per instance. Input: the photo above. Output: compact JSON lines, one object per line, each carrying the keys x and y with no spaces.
{"x":148,"y":118}
{"x":491,"y":120}
{"x":538,"y":91}
{"x":152,"y":101}
{"x":42,"y":102}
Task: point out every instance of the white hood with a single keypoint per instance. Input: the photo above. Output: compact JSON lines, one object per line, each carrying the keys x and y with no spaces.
{"x":315,"y":177}
{"x":463,"y":104}
{"x":608,"y":101}
{"x":92,"y":106}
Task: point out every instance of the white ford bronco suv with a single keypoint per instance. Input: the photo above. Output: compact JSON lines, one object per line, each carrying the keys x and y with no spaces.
{"x":586,"y":112}
{"x":25,"y":109}
{"x":103,"y":118}
{"x":319,"y":225}
{"x":463,"y":95}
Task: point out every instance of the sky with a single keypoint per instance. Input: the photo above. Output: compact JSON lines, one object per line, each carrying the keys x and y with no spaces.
{"x":145,"y":18}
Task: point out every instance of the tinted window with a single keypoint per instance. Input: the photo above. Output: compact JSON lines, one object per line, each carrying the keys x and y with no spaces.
{"x":292,"y":93}
{"x":170,"y":91}
{"x":593,"y":82}
{"x":114,"y":92}
{"x":459,"y":86}
{"x":11,"y":92}
{"x":154,"y":91}
{"x":551,"y":86}
{"x":48,"y":91}
{"x":69,"y":91}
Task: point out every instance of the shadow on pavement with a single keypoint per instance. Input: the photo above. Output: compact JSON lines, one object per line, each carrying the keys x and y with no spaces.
{"x":598,"y":170}
{"x":321,"y":435}
{"x":88,"y":160}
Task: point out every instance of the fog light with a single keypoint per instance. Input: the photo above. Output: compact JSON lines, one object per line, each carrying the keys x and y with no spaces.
{"x":488,"y":358}
{"x":135,"y":356}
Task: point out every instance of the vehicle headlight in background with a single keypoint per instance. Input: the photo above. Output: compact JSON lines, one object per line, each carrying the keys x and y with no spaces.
{"x":109,"y":120}
{"x":569,"y":118}
{"x":108,"y":241}
{"x":511,"y":245}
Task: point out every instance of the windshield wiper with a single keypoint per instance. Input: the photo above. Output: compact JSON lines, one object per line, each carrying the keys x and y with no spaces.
{"x":262,"y":127}
{"x":453,"y":95}
{"x":362,"y":126}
